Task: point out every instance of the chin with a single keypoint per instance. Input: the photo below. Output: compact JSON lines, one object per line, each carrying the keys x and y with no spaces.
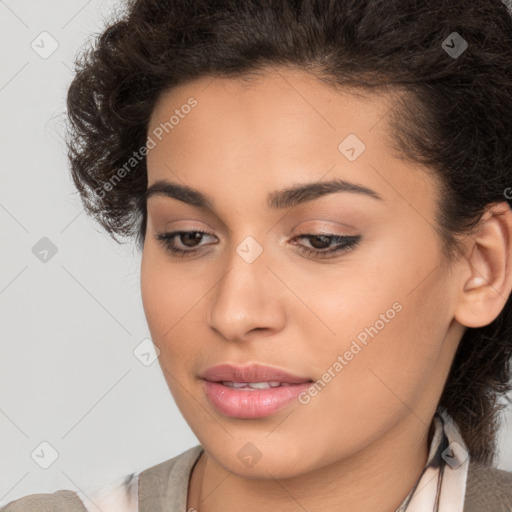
{"x":251,"y":463}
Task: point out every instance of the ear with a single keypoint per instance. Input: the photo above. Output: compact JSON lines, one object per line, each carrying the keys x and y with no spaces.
{"x":487,"y":271}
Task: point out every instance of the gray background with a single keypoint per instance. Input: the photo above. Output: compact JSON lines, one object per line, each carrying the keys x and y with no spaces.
{"x":71,"y":323}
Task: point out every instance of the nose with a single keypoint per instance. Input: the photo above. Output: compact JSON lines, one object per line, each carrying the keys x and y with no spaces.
{"x":248,"y":299}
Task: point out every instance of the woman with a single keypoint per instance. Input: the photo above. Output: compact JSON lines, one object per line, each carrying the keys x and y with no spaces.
{"x":321,"y":193}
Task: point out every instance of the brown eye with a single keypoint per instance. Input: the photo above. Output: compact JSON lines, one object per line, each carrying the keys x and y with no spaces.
{"x":319,"y":242}
{"x":188,"y":239}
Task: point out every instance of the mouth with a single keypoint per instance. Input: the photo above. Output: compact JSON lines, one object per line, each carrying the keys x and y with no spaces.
{"x":254,"y":391}
{"x":254,"y":374}
{"x":255,"y":385}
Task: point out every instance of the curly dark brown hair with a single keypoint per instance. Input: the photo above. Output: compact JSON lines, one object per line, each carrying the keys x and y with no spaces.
{"x":453,"y":116}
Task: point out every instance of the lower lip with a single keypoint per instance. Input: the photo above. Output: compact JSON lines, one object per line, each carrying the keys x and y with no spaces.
{"x":256,"y":403}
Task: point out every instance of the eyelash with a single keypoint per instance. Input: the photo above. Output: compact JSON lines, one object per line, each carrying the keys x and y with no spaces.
{"x":346,"y":243}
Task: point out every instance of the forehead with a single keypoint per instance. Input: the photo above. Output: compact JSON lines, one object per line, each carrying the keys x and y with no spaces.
{"x":281,"y":114}
{"x":282,"y":127}
{"x":272,"y":102}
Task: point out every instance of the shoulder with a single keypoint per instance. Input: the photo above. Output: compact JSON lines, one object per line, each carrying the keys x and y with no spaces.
{"x":58,"y":501}
{"x":177,"y":466}
{"x":164,"y":483}
{"x":488,"y":489}
{"x":115,"y":496}
{"x":118,"y":495}
{"x":167,"y":482}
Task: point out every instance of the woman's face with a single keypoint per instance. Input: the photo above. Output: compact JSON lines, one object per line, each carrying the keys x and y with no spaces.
{"x":372,"y":324}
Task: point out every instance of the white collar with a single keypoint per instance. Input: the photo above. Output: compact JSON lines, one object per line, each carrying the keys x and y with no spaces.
{"x":441,"y":487}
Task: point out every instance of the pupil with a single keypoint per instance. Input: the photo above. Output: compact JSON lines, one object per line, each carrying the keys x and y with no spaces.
{"x":193,"y":236}
{"x":320,"y":237}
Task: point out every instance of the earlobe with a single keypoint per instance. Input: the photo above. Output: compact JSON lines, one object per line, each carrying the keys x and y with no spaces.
{"x":487,"y":276}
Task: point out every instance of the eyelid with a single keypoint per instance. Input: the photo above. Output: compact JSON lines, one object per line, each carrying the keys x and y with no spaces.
{"x":160,"y":213}
{"x":190,"y":225}
{"x":293,"y":216}
{"x":325,"y":228}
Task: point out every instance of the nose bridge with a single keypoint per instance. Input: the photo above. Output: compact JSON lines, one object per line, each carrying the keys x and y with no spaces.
{"x":245,"y":298}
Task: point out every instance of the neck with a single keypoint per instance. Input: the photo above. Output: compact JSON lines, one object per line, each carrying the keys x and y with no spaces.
{"x":377,"y":478}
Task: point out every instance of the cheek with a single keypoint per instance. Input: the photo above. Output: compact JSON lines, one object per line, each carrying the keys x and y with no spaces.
{"x":152,"y":292}
{"x":387,"y":323}
{"x":160,"y":296}
{"x":171,"y":301}
{"x":386,"y":369}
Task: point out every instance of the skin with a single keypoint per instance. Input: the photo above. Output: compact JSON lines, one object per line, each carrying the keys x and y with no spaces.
{"x":361,"y":443}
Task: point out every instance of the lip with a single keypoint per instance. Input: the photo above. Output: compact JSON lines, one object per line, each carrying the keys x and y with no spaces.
{"x":254,"y":403}
{"x":250,"y":373}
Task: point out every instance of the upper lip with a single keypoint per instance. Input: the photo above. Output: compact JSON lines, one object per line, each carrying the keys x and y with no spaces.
{"x":250,"y":373}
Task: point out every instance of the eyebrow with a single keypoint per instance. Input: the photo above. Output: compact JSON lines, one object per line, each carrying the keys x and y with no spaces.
{"x":279,"y":199}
